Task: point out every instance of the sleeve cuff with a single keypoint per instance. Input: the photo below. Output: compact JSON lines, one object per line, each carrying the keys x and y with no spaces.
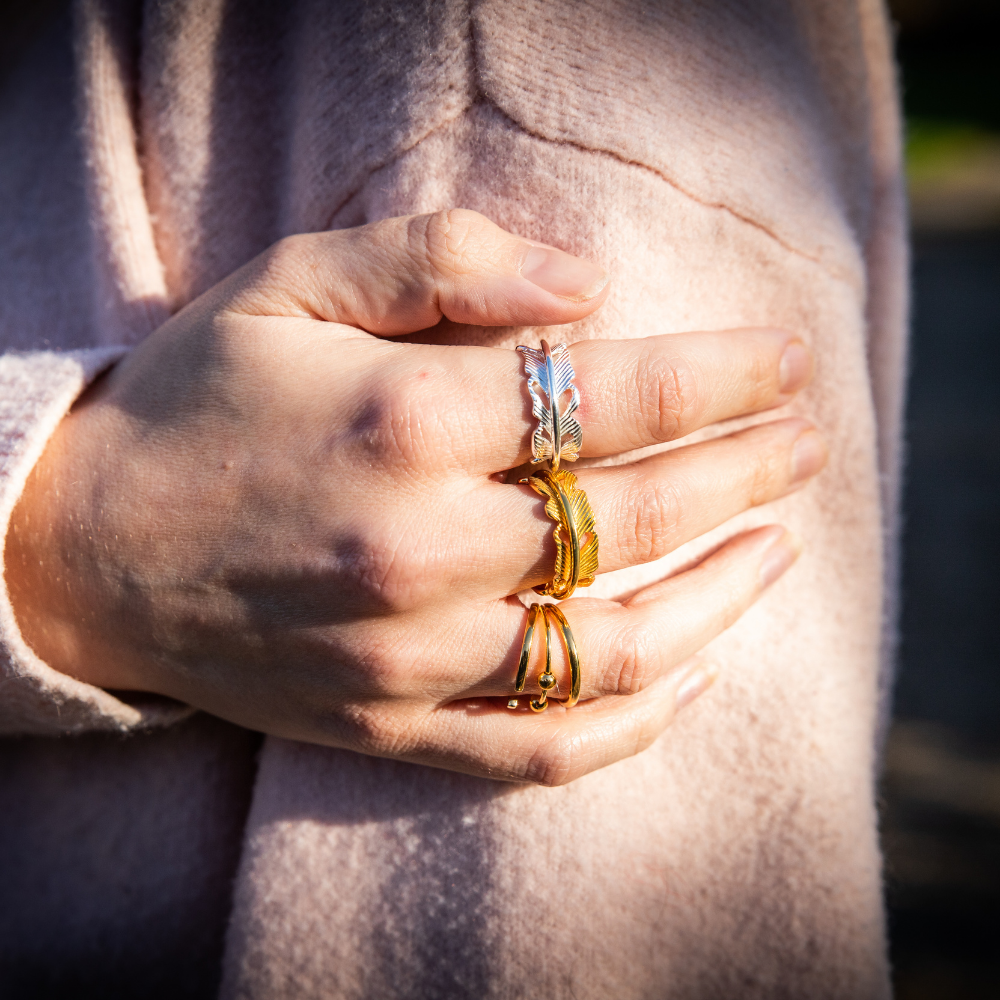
{"x":37,"y":390}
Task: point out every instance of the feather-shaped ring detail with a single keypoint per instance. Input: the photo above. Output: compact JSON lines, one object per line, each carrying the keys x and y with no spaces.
{"x":558,"y":436}
{"x":575,"y":535}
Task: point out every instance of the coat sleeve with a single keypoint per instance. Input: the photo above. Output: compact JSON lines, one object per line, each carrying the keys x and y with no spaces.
{"x":37,"y":389}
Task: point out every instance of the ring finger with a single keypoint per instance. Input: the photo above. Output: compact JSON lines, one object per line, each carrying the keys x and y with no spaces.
{"x":641,"y":511}
{"x":625,"y":647}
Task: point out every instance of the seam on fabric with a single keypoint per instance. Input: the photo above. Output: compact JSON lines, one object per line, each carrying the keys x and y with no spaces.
{"x":840,"y":274}
{"x":476,"y":97}
{"x":475,"y":88}
{"x":402,"y":151}
{"x":479,"y":97}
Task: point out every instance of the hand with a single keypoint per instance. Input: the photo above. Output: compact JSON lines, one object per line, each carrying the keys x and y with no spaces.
{"x":267,"y":512}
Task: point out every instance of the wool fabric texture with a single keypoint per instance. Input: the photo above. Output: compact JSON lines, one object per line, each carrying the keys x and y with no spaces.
{"x":731,"y":165}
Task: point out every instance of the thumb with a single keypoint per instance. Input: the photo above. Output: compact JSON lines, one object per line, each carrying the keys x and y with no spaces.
{"x":404,"y":274}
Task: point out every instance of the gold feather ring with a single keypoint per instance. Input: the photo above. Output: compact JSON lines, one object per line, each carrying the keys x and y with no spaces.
{"x":575,"y":535}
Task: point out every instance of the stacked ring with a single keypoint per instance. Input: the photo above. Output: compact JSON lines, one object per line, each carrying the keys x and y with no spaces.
{"x":546,"y":679}
{"x":550,"y":615}
{"x":553,"y":614}
{"x":559,"y":437}
{"x":534,"y":612}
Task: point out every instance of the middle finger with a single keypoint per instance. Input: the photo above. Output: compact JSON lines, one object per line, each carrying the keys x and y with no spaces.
{"x":642,"y":511}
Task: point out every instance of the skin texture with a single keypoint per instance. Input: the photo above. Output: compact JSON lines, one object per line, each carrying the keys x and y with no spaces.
{"x":343,"y":549}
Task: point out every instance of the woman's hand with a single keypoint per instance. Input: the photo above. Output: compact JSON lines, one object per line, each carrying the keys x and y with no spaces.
{"x":269,"y":513}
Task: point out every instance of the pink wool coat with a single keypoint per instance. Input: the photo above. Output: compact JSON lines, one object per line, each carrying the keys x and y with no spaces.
{"x":732,"y":164}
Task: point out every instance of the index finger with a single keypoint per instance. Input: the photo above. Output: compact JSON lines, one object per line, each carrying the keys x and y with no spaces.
{"x":633,"y":393}
{"x":643,"y":392}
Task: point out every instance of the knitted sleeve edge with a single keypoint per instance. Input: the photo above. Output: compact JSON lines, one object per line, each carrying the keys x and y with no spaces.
{"x":37,"y":390}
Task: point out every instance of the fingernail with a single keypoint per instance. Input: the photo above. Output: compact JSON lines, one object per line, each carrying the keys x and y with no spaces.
{"x":699,"y":681}
{"x":562,"y":274}
{"x":796,"y":366}
{"x":778,"y":558}
{"x":808,"y":455}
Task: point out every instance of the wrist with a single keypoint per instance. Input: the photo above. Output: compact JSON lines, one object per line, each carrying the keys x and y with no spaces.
{"x":47,"y":568}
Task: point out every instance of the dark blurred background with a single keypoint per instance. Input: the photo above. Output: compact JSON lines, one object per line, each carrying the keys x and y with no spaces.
{"x":940,"y":799}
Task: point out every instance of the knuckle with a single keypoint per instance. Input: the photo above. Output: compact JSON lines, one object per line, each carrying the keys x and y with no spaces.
{"x":668,"y":395}
{"x":449,"y":241}
{"x":384,"y":569}
{"x":631,"y":661}
{"x":764,"y":478}
{"x":283,"y":277}
{"x":761,"y":383}
{"x":400,"y":580}
{"x":555,"y":762}
{"x":393,"y":429}
{"x":287,"y":278}
{"x":645,"y":737}
{"x":657,"y":510}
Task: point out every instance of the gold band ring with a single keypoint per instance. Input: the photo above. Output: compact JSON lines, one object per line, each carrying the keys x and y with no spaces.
{"x":554,"y":614}
{"x":575,"y":534}
{"x":529,"y":634}
{"x":535,"y":612}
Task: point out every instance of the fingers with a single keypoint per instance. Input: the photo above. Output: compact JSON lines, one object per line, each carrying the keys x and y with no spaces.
{"x":642,"y":511}
{"x":633,"y":393}
{"x":652,"y":507}
{"x":638,"y":393}
{"x":404,"y":274}
{"x":467,"y":649}
{"x":641,"y":649}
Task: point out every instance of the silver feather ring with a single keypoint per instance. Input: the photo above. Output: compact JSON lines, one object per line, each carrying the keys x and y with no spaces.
{"x":558,"y":436}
